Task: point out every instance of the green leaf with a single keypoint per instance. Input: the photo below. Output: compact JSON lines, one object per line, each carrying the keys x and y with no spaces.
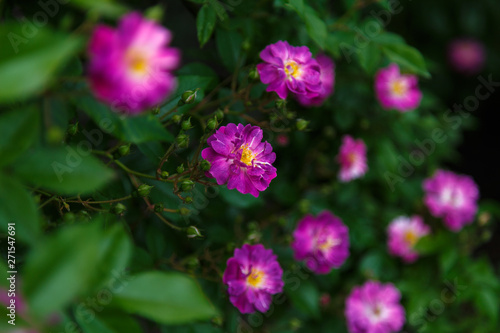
{"x":305,"y":298}
{"x":59,"y":268}
{"x":168,"y":298}
{"x":106,"y":322}
{"x":65,"y":170}
{"x":369,"y":58}
{"x":229,"y":48}
{"x":315,"y":26}
{"x":17,"y":206}
{"x":205,"y":23}
{"x":19,"y":129}
{"x":73,"y":261}
{"x":106,"y":7}
{"x":240,"y":200}
{"x":408,"y":57}
{"x":487,"y":301}
{"x":27,"y":64}
{"x":136,"y":129}
{"x":115,"y":249}
{"x":190,"y":77}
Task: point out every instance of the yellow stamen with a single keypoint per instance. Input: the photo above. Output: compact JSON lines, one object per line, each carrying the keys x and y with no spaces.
{"x":399,"y":87}
{"x":137,"y":62}
{"x":255,"y":278}
{"x":247,"y":155}
{"x":292,"y":68}
{"x":327,"y":244}
{"x":410,"y":237}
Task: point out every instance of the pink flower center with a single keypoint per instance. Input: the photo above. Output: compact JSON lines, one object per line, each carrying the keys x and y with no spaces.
{"x":247,"y":155}
{"x":292,"y":69}
{"x":399,"y":87}
{"x":255,"y":278}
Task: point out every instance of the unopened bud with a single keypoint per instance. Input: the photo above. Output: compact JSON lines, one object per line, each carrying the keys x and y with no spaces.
{"x":144,"y":190}
{"x":193,"y":232}
{"x":124,"y":150}
{"x":212,"y":124}
{"x":55,"y":135}
{"x":186,"y":124}
{"x":253,"y":74}
{"x":188,"y":200}
{"x":187,"y":185}
{"x":156,"y":110}
{"x":182,"y":140}
{"x":119,"y":208}
{"x":164,"y":174}
{"x":219,"y":114}
{"x":205,"y":165}
{"x":246,"y":45}
{"x":158,"y":207}
{"x":280,"y":103}
{"x":176,"y":118}
{"x":302,"y":124}
{"x":180,"y":168}
{"x":184,"y":211}
{"x":73,"y":129}
{"x":188,"y":97}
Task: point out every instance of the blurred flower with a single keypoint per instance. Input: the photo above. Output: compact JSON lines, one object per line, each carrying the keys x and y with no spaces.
{"x":253,"y":275}
{"x":352,"y":159}
{"x":466,"y":55}
{"x":327,"y":77}
{"x":282,"y":140}
{"x":397,"y":91}
{"x":239,"y":158}
{"x":130,"y":67}
{"x":322,"y":241}
{"x":289,"y":68}
{"x":452,"y":197}
{"x":403,"y":233}
{"x":374,"y":307}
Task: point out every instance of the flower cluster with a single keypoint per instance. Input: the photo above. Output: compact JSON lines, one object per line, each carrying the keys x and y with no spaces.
{"x":292,"y":69}
{"x":352,"y":159}
{"x":404,"y":232}
{"x":130,"y":67}
{"x":322,"y":241}
{"x":374,"y":307}
{"x":253,"y":275}
{"x":239,"y":158}
{"x":452,"y":197}
{"x":397,"y":91}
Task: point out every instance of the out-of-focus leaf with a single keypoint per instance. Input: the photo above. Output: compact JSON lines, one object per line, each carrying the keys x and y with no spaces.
{"x":28,"y":63}
{"x":316,"y":28}
{"x":305,"y":298}
{"x":74,"y":260}
{"x":63,"y":170}
{"x":237,"y":199}
{"x":369,"y":58}
{"x":168,"y":298}
{"x":17,"y":206}
{"x":106,"y":322}
{"x":109,"y":8}
{"x":137,"y":129}
{"x":229,"y":48}
{"x":19,"y":129}
{"x":407,"y":57}
{"x":205,"y":23}
{"x":488,"y":302}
